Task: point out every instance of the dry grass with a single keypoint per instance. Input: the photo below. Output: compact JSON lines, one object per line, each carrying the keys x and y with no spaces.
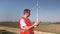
{"x":53,"y":28}
{"x":16,"y":30}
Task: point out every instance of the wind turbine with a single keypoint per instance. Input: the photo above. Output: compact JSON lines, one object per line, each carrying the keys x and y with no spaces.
{"x":37,"y":9}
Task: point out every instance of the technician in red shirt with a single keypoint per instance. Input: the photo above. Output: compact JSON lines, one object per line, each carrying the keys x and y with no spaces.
{"x":25,"y":24}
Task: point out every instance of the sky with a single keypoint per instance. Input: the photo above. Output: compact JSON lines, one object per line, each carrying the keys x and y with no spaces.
{"x":12,"y":10}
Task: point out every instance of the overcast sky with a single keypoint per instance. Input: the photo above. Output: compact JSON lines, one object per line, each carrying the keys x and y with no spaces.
{"x":12,"y":10}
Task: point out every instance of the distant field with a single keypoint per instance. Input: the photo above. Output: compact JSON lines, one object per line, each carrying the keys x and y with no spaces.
{"x":46,"y":27}
{"x":54,"y":28}
{"x":9,"y":24}
{"x":6,"y":32}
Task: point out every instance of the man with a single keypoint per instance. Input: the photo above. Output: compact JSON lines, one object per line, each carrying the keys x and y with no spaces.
{"x":25,"y":24}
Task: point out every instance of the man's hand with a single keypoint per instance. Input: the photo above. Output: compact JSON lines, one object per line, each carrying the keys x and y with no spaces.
{"x":36,"y":24}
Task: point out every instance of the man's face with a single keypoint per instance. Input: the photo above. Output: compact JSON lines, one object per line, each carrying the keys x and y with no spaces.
{"x":28,"y":14}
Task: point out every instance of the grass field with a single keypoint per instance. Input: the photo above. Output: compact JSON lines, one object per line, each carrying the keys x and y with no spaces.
{"x":53,"y":28}
{"x":6,"y":32}
{"x":45,"y":27}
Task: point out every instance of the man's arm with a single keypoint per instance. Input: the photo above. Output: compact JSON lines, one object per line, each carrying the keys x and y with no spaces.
{"x":27,"y":28}
{"x":23,"y":25}
{"x":33,"y":26}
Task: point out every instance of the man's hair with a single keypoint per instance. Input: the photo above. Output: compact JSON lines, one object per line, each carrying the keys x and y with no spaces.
{"x":26,"y":11}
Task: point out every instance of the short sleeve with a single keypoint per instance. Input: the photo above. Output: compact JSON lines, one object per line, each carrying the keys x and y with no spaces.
{"x":22,"y":22}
